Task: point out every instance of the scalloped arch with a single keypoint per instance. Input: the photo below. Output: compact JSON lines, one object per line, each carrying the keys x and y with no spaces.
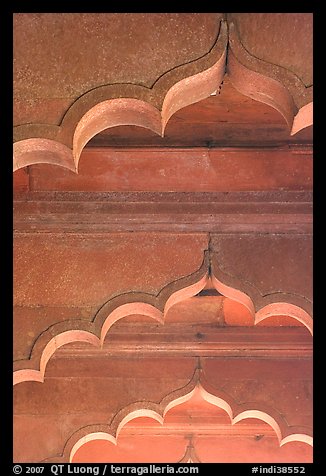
{"x":158,"y":412}
{"x":303,"y":119}
{"x":95,"y":332}
{"x":129,"y":104}
{"x":268,"y":83}
{"x":155,"y":307}
{"x":111,"y":113}
{"x":269,"y":310}
{"x":261,"y":88}
{"x":42,"y":151}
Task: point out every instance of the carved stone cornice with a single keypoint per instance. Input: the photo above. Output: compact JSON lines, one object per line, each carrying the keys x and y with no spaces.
{"x":233,"y":212}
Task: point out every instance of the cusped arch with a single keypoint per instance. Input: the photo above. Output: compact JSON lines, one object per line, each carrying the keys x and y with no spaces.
{"x":158,"y":411}
{"x":269,"y":310}
{"x":155,"y":307}
{"x":269,"y":83}
{"x":42,"y":151}
{"x":130,"y":104}
{"x":112,"y":113}
{"x":304,"y":118}
{"x":127,"y":104}
{"x":78,"y":330}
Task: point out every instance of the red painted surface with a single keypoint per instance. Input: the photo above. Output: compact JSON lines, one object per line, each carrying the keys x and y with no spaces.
{"x":124,"y":303}
{"x":179,"y":170}
{"x":163,"y":41}
{"x":202,"y":426}
{"x":209,"y":449}
{"x":78,"y":270}
{"x":268,"y":267}
{"x":273,"y":212}
{"x":182,"y":85}
{"x":21,"y":180}
{"x":112,"y":328}
{"x":141,"y":383}
{"x":226,"y":119}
